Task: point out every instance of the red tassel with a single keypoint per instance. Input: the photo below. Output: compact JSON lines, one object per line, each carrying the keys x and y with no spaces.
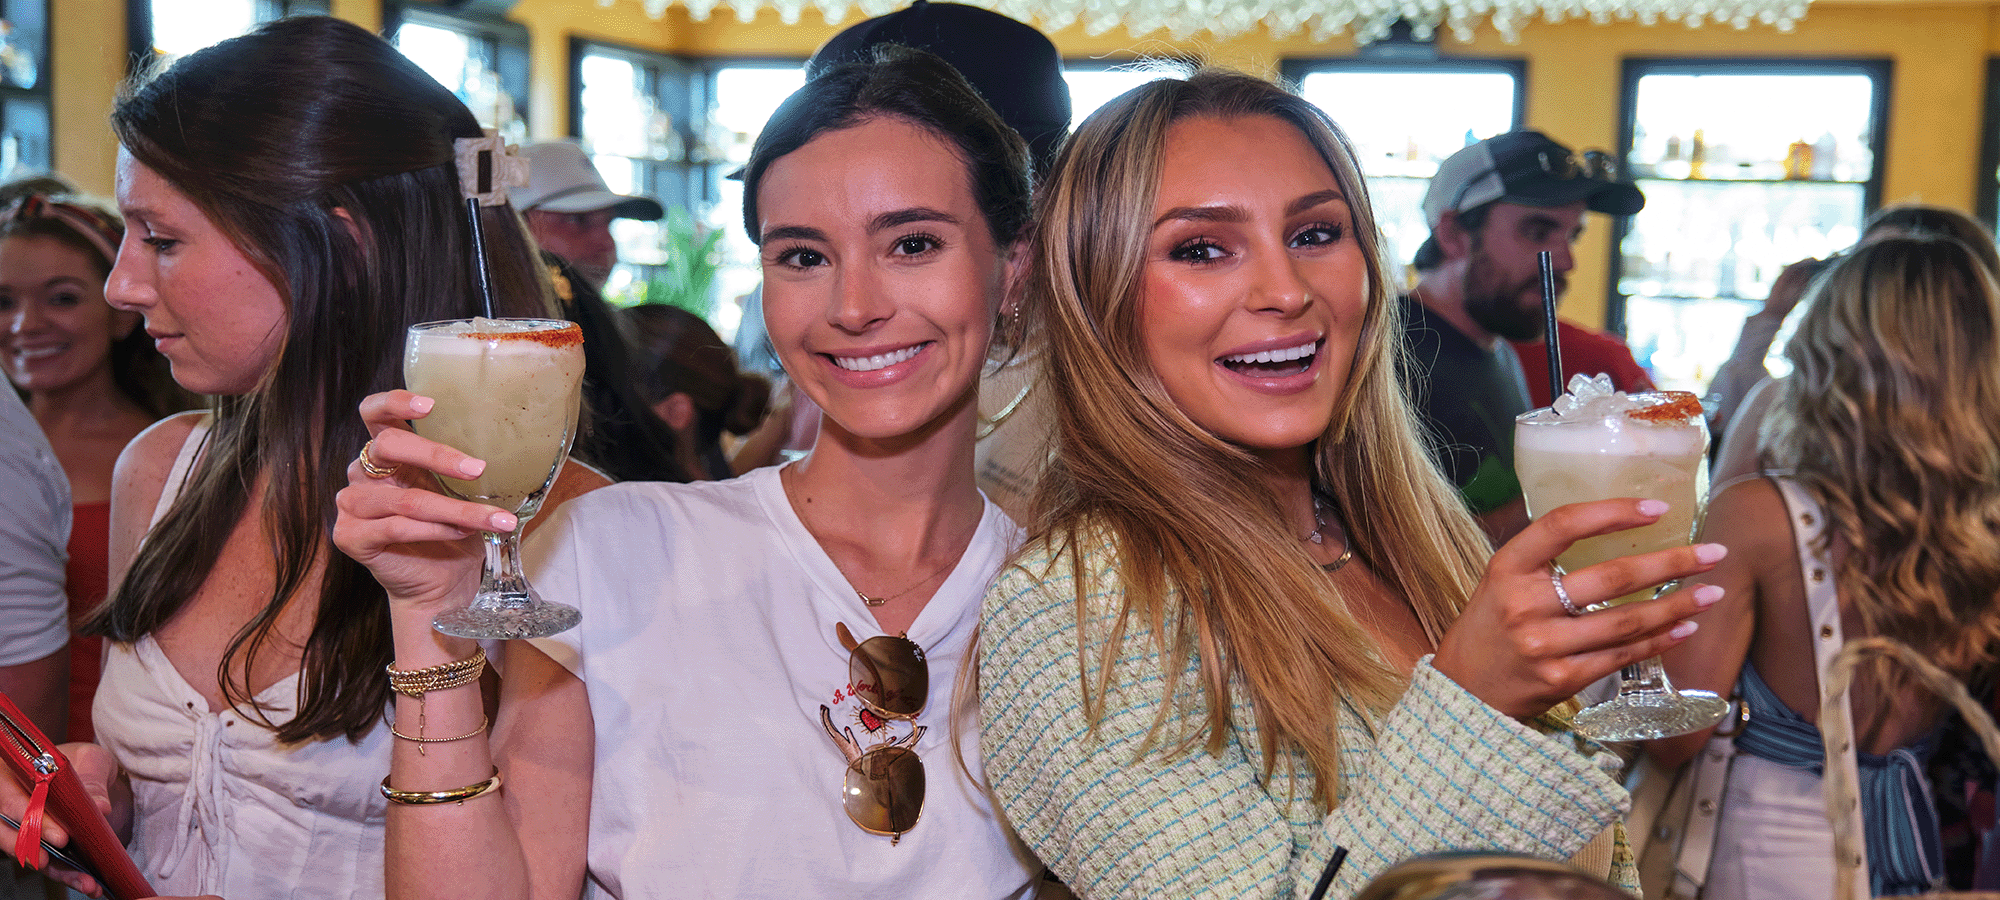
{"x":28,"y":844}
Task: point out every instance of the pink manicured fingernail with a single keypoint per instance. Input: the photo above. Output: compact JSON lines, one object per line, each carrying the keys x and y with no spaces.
{"x":421,"y":404}
{"x":1707,"y":595}
{"x":504,"y":522}
{"x":1652,"y":507}
{"x":1710,"y":553}
{"x":471,"y":468}
{"x":1684,"y":629}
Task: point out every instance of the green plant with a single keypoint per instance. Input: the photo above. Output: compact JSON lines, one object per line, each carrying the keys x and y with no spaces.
{"x":687,"y":278}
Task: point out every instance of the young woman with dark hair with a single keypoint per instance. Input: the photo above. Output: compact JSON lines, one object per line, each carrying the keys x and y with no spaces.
{"x":293,"y":203}
{"x":760,"y":689}
{"x":690,"y":377}
{"x":91,"y":377}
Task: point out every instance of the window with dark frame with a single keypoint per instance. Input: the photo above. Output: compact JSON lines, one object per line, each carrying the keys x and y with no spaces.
{"x":674,"y":128}
{"x":25,"y":132}
{"x":1736,"y":188}
{"x":482,"y":59}
{"x":1987,"y":179}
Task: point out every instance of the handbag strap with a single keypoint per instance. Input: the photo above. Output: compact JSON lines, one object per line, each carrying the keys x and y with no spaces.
{"x":1843,"y":803}
{"x":1708,"y":775}
{"x":1836,"y":718}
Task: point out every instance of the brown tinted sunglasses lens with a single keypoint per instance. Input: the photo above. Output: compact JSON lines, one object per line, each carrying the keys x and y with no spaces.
{"x":884,"y":790}
{"x":890,"y":676}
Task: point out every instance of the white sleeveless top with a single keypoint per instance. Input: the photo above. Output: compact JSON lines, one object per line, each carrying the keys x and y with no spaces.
{"x":219,"y":805}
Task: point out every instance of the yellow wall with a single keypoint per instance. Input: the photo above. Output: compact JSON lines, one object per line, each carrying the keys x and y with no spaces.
{"x":1939,"y":51}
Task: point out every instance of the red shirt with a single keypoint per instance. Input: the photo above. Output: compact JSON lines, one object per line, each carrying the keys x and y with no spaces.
{"x":1583,"y":351}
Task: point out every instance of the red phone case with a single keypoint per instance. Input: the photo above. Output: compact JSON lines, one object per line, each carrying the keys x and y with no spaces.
{"x":32,"y":757}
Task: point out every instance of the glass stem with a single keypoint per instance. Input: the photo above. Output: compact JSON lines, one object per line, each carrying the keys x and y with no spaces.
{"x":1646,"y":682}
{"x":501,"y":583}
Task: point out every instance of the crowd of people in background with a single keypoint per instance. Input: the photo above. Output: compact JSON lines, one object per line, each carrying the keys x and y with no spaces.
{"x":1121,"y":522}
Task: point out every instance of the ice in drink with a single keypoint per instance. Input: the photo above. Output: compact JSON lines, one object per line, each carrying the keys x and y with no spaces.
{"x":507,"y":392}
{"x":1595,"y":444}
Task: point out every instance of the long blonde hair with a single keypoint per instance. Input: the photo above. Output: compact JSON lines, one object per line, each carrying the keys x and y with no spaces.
{"x":1204,"y":556}
{"x":1891,"y":419}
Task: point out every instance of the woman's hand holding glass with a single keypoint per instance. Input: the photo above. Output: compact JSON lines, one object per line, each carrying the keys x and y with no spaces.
{"x":1519,"y":651}
{"x":423,"y":546}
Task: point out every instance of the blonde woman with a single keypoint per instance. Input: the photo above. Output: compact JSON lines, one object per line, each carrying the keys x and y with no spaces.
{"x":1882,"y":459}
{"x":1249,"y":642}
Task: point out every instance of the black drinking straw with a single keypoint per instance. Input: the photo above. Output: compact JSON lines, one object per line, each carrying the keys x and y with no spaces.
{"x":1548,"y":313}
{"x":485,"y":181}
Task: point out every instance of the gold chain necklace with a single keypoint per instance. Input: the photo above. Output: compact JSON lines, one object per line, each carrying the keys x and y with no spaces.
{"x":784,"y":478}
{"x":873,"y":602}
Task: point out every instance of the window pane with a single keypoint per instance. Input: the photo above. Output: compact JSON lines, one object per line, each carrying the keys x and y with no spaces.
{"x":1399,"y":152}
{"x":184,"y":26}
{"x":460,"y":61}
{"x":446,"y":55}
{"x":1736,"y":188}
{"x":1092,"y":88}
{"x":744,"y":98}
{"x":615,"y":106}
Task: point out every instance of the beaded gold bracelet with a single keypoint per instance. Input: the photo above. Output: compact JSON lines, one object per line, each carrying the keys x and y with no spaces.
{"x":416,"y":682}
{"x":432,"y":798}
{"x":420,"y":739}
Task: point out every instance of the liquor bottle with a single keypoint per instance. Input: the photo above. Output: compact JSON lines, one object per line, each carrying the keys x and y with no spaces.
{"x":1798,"y":161}
{"x":1698,"y":156}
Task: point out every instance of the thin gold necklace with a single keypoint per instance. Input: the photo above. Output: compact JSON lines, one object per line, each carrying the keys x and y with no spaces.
{"x":873,"y":602}
{"x":784,"y":478}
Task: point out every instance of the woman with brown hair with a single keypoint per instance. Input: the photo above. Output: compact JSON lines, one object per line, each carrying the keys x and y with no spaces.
{"x":293,"y":203}
{"x":91,"y":377}
{"x":690,"y":377}
{"x":1877,"y":513}
{"x":758,"y":700}
{"x":1255,"y":640}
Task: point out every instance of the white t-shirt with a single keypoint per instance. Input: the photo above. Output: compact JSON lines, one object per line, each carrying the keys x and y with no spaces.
{"x":708,"y":648}
{"x":34,"y":538}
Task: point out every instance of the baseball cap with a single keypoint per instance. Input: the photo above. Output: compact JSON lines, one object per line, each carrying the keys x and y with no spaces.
{"x":1014,"y":67}
{"x":1528,"y":168}
{"x":561,"y":179}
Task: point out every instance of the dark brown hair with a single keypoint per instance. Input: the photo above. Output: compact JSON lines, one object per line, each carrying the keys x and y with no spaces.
{"x":327,"y":158}
{"x":680,"y":354}
{"x":917,"y":87}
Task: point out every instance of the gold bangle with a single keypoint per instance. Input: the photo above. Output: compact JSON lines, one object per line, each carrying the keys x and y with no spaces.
{"x":457,"y":673}
{"x":431,"y":798}
{"x":419,"y":736}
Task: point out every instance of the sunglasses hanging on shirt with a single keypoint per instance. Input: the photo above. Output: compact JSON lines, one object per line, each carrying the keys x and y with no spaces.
{"x":883,"y":790}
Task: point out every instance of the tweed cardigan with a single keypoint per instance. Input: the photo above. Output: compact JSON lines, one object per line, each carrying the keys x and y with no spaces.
{"x":1440,"y":771}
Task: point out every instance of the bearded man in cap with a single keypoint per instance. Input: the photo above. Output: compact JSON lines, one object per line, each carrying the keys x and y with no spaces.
{"x":569,"y":208}
{"x":1493,"y":207}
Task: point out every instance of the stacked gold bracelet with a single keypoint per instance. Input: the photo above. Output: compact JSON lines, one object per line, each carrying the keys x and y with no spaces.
{"x":458,"y":673}
{"x":432,"y":798}
{"x":418,"y":682}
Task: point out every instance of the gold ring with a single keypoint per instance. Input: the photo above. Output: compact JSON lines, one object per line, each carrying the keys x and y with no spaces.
{"x":368,"y":463}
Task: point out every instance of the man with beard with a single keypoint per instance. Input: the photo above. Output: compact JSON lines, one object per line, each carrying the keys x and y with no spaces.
{"x":1493,"y":207}
{"x":569,"y":208}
